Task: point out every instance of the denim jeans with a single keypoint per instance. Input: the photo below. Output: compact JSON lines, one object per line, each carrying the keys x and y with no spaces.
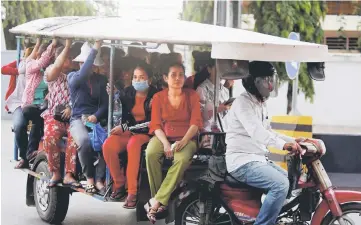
{"x":85,"y":151}
{"x":26,"y":146}
{"x":273,"y":179}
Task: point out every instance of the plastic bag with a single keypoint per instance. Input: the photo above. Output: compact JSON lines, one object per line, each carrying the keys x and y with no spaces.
{"x":97,"y":136}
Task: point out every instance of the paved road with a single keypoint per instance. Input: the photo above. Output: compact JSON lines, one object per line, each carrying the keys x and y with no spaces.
{"x":83,"y":210}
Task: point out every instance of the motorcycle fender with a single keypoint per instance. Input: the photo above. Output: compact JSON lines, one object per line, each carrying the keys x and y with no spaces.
{"x":176,"y":199}
{"x":342,"y":197}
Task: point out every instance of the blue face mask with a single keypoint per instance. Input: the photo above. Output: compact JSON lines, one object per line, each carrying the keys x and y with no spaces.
{"x":140,"y":85}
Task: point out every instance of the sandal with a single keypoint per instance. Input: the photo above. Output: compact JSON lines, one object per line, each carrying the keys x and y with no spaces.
{"x":118,"y":194}
{"x":53,"y":183}
{"x":162,"y":212}
{"x":151,"y":212}
{"x":90,"y":188}
{"x":130,"y":203}
{"x":23,"y":164}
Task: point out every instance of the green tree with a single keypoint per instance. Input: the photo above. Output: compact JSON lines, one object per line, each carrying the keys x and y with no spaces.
{"x":19,"y":12}
{"x":106,"y":7}
{"x":282,"y":17}
{"x":201,"y":12}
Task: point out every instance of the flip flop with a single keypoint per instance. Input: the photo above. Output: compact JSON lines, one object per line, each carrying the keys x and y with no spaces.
{"x":23,"y":164}
{"x":53,"y":183}
{"x":118,"y":194}
{"x":73,"y":184}
{"x":132,"y":201}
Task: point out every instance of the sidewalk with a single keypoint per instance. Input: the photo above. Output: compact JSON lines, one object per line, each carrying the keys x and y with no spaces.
{"x":349,"y":181}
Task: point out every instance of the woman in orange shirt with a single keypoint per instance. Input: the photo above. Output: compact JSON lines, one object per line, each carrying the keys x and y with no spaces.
{"x":136,"y":104}
{"x":176,"y":119}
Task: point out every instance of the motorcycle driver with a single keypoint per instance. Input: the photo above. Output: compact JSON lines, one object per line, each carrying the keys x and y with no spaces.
{"x":249,"y":135}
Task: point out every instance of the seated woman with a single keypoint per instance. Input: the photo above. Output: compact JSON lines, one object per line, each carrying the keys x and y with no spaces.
{"x":89,"y":102}
{"x":176,"y":118}
{"x":33,"y":99}
{"x":204,"y":82}
{"x":136,"y":109}
{"x":57,"y":126}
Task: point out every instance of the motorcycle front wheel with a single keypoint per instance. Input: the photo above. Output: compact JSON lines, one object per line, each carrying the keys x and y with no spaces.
{"x":188,"y":213}
{"x":351,"y":215}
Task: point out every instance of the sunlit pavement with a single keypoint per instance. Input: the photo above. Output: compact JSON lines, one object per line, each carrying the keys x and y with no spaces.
{"x":83,"y":210}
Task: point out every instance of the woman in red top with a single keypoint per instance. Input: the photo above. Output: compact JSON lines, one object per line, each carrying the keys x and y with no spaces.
{"x":176,"y":119}
{"x":136,"y":104}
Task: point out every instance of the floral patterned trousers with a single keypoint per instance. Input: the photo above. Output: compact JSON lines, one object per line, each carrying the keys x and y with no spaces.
{"x":53,"y":133}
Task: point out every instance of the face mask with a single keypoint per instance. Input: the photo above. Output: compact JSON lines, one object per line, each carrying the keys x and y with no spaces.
{"x":264,"y":85}
{"x":140,"y":85}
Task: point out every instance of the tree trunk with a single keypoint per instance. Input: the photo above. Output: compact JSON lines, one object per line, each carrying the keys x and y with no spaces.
{"x":289,"y":97}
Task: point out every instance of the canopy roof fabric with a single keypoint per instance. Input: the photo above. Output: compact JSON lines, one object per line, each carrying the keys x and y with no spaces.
{"x":227,"y":43}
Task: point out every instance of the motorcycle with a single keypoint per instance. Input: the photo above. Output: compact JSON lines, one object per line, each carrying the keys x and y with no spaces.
{"x":234,"y":203}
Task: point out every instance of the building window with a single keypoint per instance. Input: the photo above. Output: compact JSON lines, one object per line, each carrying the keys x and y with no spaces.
{"x":342,"y":43}
{"x":352,"y":44}
{"x":336,"y":43}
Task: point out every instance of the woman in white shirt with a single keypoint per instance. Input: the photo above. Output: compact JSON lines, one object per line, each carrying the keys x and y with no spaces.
{"x":204,"y":82}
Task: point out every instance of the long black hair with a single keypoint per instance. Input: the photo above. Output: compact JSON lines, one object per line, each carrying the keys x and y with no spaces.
{"x":202,"y":61}
{"x":257,"y":69}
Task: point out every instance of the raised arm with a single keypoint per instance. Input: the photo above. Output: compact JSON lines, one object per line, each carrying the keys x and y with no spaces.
{"x":36,"y":49}
{"x":75,"y":79}
{"x":44,"y":59}
{"x":53,"y":73}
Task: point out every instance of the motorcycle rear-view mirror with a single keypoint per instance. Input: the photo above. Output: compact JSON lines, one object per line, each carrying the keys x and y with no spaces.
{"x":316,"y":70}
{"x":229,"y":69}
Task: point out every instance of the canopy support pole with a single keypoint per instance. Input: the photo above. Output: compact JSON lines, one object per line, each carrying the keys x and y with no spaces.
{"x":18,"y":56}
{"x":214,"y":126}
{"x":110,"y":107}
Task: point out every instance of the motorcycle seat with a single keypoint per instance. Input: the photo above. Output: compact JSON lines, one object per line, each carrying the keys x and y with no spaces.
{"x":233,"y":183}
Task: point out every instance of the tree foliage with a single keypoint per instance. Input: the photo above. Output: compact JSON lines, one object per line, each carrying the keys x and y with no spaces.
{"x":279,"y":19}
{"x":201,"y":12}
{"x":106,"y":7}
{"x":18,"y":12}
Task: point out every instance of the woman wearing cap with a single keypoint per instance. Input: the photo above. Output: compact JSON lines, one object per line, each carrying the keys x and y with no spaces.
{"x":89,"y":101}
{"x":136,"y":110}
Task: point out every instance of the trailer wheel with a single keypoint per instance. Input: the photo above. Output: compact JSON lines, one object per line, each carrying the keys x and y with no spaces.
{"x":51,"y":203}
